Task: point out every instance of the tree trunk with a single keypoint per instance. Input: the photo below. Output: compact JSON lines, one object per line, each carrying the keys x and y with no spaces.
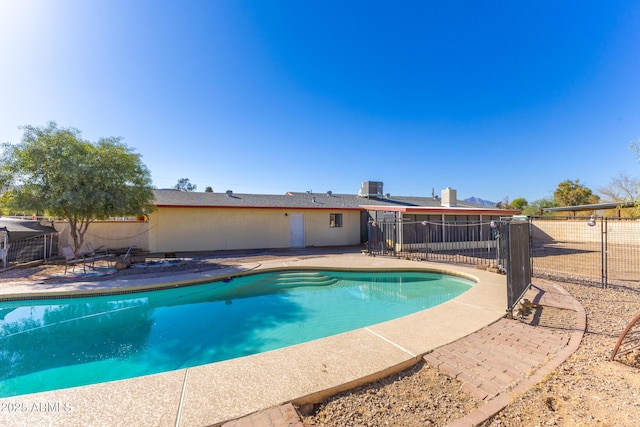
{"x":78,"y":228}
{"x":73,"y":230}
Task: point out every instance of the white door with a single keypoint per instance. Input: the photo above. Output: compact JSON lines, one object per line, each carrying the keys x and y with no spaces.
{"x":296,"y":227}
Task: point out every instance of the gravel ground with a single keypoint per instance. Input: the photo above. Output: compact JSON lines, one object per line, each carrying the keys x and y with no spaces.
{"x":586,"y":390}
{"x":420,"y":396}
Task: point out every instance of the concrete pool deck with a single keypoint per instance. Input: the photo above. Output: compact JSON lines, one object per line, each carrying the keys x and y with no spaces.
{"x":223,"y":391}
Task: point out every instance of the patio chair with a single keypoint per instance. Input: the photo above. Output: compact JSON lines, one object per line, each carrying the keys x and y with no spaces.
{"x":71,"y":259}
{"x":96,"y":254}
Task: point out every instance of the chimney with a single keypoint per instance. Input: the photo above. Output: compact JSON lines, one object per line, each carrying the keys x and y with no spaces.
{"x":449,"y":197}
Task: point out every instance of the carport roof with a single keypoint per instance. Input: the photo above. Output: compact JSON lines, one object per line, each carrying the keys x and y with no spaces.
{"x":593,"y":207}
{"x":22,"y":229}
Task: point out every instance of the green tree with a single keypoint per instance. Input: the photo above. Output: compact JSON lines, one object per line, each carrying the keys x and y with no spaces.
{"x":535,"y":208}
{"x":572,"y":193}
{"x":208,"y":190}
{"x":184,"y":185}
{"x":54,"y":170}
{"x":519,"y":203}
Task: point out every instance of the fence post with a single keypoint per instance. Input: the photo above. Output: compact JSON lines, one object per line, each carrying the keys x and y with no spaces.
{"x":603,"y":251}
{"x":425,"y":227}
{"x":51,"y":240}
{"x":4,"y":251}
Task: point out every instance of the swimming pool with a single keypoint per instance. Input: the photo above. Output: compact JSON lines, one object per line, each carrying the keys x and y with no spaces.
{"x":59,"y":343}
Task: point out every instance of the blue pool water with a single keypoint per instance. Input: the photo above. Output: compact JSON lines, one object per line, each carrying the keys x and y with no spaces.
{"x":58,"y":343}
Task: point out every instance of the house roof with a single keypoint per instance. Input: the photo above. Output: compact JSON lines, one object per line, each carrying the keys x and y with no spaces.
{"x":294,"y":200}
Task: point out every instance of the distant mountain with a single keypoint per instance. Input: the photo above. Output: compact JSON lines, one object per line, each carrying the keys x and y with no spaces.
{"x":479,"y":201}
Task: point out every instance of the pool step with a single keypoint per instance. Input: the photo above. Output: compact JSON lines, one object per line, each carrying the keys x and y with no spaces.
{"x":303,"y":278}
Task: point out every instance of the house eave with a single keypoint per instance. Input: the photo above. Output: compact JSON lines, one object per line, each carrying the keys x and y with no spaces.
{"x":443,"y":210}
{"x":333,"y":208}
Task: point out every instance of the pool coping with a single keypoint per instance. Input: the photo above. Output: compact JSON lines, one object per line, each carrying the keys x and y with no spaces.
{"x":305,"y":373}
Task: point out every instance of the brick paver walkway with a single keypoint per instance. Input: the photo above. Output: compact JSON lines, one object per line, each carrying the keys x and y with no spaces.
{"x":497,"y":357}
{"x":518,"y":355}
{"x":493,"y":363}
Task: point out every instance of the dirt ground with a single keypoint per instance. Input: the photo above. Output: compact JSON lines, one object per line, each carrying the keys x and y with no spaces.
{"x":586,"y":390}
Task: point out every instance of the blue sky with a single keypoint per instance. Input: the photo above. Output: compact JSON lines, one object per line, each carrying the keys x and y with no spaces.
{"x":497,"y":99}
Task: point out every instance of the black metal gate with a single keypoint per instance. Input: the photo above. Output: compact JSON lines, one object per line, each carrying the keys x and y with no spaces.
{"x":514,"y":258}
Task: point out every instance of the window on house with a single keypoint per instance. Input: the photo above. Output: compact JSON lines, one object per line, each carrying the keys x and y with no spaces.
{"x":335,"y":220}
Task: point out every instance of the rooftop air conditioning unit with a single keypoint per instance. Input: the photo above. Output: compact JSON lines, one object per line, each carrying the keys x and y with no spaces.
{"x":371,"y":189}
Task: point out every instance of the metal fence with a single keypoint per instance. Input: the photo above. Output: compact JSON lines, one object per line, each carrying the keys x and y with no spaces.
{"x":503,"y":244}
{"x":466,"y":242}
{"x":514,"y":244}
{"x":589,"y":250}
{"x":595,"y":251}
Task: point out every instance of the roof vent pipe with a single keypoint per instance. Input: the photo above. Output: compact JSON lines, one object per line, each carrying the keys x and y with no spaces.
{"x":313,"y":200}
{"x":229,"y":193}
